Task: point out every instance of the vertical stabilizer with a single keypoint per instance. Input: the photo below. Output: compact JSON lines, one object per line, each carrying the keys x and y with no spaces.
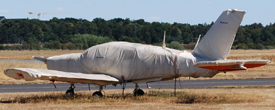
{"x":217,"y":42}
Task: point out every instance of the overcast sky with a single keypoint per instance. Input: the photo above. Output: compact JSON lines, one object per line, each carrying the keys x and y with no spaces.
{"x":181,"y":11}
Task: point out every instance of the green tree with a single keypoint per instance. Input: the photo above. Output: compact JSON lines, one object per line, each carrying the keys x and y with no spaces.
{"x":175,"y":45}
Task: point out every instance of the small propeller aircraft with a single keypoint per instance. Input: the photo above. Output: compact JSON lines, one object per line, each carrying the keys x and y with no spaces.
{"x":123,"y":62}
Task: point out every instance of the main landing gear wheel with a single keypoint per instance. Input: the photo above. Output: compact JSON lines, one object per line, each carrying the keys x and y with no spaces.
{"x":138,"y":92}
{"x":70,"y":91}
{"x":97,"y":94}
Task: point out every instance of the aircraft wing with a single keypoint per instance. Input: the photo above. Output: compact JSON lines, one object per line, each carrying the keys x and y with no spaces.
{"x":230,"y":65}
{"x":29,"y":74}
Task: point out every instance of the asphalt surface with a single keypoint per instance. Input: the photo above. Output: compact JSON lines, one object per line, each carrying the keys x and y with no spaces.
{"x":162,"y":84}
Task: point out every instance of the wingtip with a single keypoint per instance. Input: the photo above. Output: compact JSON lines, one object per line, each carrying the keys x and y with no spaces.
{"x":6,"y":71}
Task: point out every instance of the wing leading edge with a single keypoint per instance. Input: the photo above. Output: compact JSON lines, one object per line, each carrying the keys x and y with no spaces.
{"x":53,"y":75}
{"x":230,"y":65}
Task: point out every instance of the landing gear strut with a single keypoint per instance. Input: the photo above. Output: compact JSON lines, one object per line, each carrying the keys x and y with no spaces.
{"x":138,"y":91}
{"x":98,"y":93}
{"x":70,"y":91}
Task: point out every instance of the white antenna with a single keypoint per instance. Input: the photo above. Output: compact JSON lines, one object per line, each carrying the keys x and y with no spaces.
{"x":198,"y":41}
{"x":163,"y":43}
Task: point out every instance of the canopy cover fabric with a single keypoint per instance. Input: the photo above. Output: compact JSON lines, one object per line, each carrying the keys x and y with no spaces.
{"x":113,"y":62}
{"x":131,"y":60}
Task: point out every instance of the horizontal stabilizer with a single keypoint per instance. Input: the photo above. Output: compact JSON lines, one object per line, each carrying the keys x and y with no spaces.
{"x":53,"y":75}
{"x":230,"y":65}
{"x":40,"y":59}
{"x":235,"y":68}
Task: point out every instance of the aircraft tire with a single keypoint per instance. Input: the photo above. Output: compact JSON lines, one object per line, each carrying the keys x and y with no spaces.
{"x":138,"y":92}
{"x":97,"y":94}
{"x":70,"y":92}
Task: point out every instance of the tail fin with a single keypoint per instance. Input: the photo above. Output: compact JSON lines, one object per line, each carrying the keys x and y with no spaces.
{"x":217,"y":42}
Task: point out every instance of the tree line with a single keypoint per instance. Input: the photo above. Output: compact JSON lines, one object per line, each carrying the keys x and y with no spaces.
{"x":71,"y":33}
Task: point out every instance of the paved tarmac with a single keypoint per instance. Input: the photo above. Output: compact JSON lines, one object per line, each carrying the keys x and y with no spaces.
{"x":162,"y":84}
